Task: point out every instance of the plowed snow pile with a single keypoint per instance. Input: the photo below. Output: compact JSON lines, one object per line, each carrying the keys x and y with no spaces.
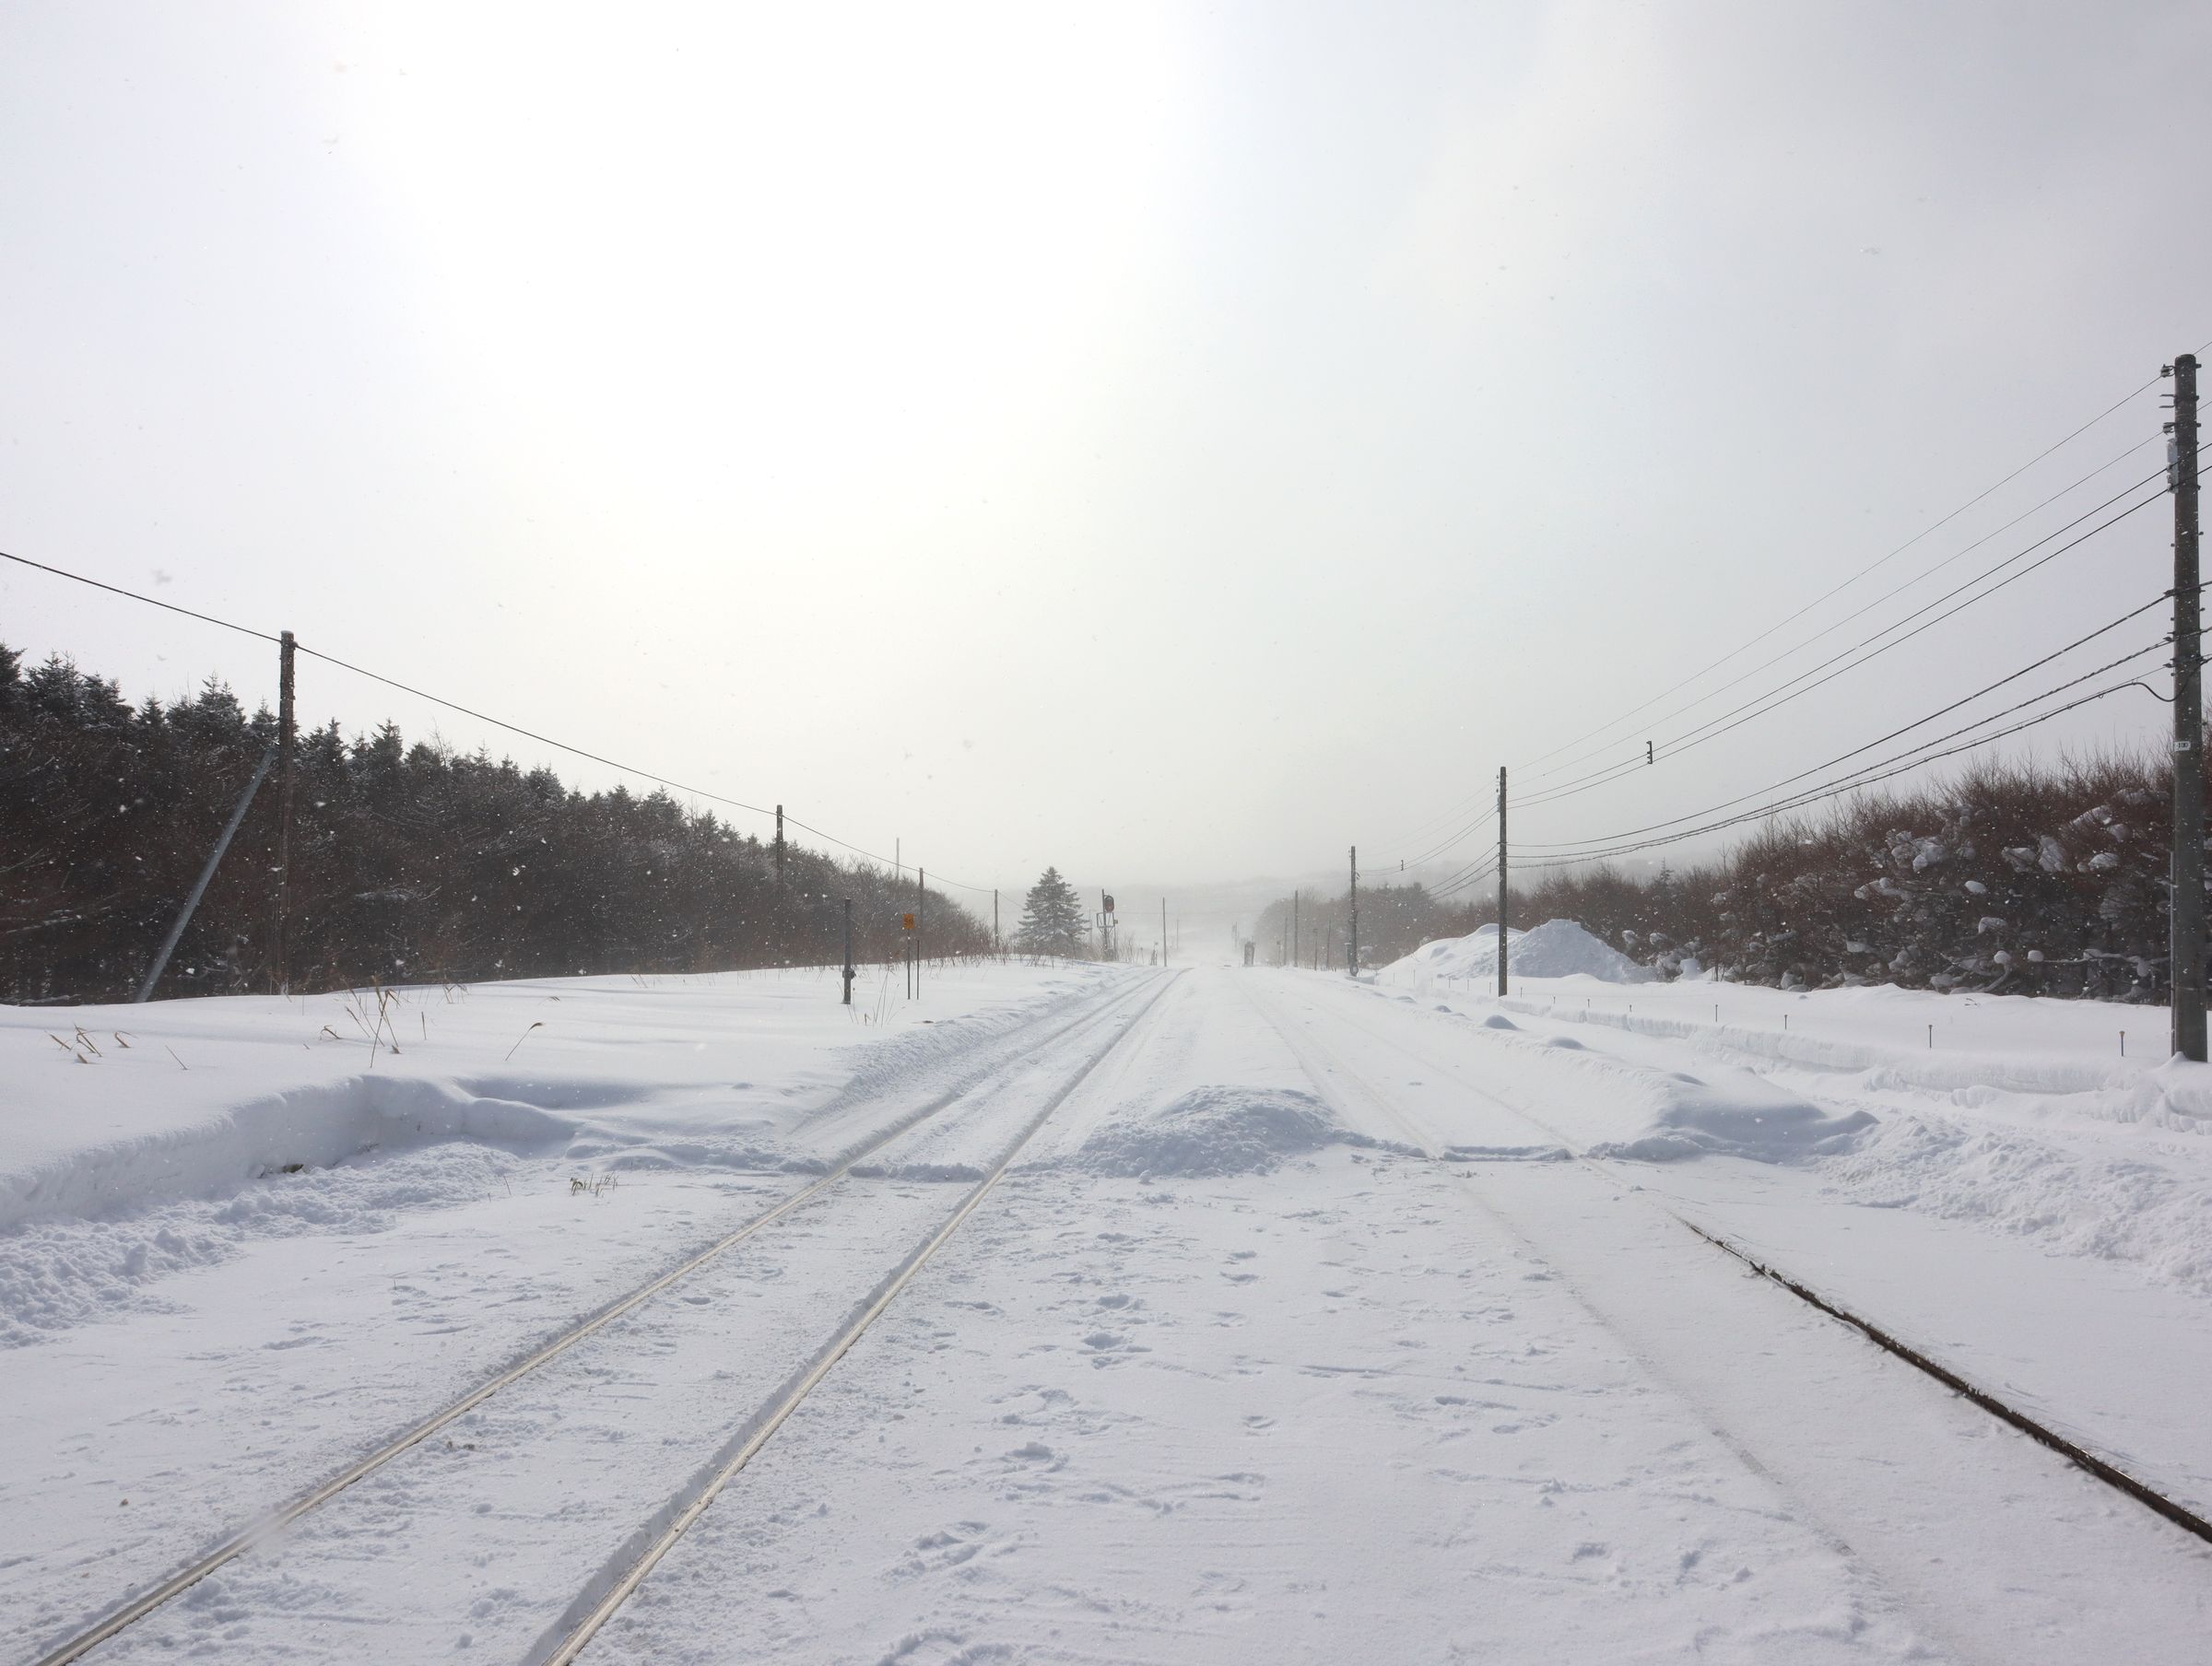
{"x":1735,"y":1113}
{"x":1558,"y":948}
{"x":1213,"y":1131}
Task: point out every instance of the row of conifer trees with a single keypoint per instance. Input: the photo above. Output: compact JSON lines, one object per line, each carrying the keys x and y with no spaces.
{"x":410,"y":862}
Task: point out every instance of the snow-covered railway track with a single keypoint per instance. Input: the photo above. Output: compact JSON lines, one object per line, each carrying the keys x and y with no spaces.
{"x":1115,"y":1014}
{"x":631,"y":1578}
{"x":1322,"y":1067}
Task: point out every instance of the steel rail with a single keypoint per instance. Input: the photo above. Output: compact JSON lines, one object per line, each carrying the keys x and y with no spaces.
{"x":574,"y":1643}
{"x":2101,"y":1469}
{"x":244,"y":1539}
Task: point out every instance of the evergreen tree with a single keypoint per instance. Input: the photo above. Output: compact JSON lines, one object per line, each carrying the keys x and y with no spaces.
{"x":1051,"y":917}
{"x":410,"y":862}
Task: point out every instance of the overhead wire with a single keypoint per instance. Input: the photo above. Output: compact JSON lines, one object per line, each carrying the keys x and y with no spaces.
{"x":1782,"y":694}
{"x":1880,"y":561}
{"x":2011,"y":676}
{"x":1427,"y":828}
{"x":481,"y":717}
{"x":1612,"y":845}
{"x":118,"y":590}
{"x":1852,"y":786}
{"x":1897,"y":589}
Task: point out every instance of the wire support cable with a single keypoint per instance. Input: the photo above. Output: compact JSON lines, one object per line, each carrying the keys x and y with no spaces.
{"x":2010,"y":676}
{"x":1882,"y":560}
{"x":117,"y":590}
{"x":1894,"y":590}
{"x":1868,"y":649}
{"x":481,"y":717}
{"x":1465,"y":879}
{"x":1872,"y":773}
{"x":1453,"y":841}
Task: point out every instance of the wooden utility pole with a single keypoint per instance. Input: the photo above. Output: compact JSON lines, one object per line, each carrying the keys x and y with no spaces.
{"x":1501,"y":891}
{"x":1351,"y":952}
{"x":2186,"y":936}
{"x":286,"y":752}
{"x":848,"y":951}
{"x":778,"y":927}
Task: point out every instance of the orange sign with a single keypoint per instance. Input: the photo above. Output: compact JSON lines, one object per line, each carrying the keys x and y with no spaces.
{"x":906,"y":923}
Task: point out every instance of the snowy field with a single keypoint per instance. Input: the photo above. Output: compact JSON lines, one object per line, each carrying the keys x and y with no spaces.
{"x":1311,"y":1320}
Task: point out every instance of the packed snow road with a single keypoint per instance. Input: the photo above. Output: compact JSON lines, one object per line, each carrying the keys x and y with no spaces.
{"x":1307,"y":1323}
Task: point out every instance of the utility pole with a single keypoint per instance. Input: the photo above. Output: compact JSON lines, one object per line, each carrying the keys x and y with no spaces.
{"x":1502,"y":894}
{"x":286,"y":750}
{"x":848,"y":951}
{"x":920,"y":921}
{"x":777,"y":927}
{"x":994,"y":945}
{"x":1294,"y":938}
{"x":1351,"y":950}
{"x":2186,"y":936}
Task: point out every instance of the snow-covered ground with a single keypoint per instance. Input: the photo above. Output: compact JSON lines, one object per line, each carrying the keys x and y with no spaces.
{"x":1316,"y":1321}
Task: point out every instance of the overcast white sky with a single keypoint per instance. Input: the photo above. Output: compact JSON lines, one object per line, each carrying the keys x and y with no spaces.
{"x":1174,"y":443}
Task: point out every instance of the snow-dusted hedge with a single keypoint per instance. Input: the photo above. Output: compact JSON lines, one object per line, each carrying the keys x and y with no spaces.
{"x":2048,"y":880}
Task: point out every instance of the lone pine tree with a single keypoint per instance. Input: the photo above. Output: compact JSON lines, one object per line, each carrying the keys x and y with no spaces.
{"x":1051,"y":917}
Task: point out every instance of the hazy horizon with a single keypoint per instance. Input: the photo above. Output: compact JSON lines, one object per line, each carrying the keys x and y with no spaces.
{"x":1150,"y":441}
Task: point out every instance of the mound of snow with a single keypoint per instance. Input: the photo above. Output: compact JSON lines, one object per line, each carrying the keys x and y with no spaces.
{"x":1558,"y":948}
{"x":1737,"y":1114}
{"x":1214,"y":1131}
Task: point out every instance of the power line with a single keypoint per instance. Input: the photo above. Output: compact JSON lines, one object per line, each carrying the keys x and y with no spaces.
{"x":1873,"y":772}
{"x":481,"y":717}
{"x":1774,"y":699}
{"x":1896,"y":590}
{"x":1870,"y":566}
{"x":1459,"y":808}
{"x":135,"y":596}
{"x":2012,"y":676}
{"x":1453,"y":841}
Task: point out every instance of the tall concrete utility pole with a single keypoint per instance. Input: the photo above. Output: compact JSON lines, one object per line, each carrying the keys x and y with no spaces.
{"x":287,"y":753}
{"x":1351,"y":952}
{"x":2185,"y":939}
{"x":1501,"y":892}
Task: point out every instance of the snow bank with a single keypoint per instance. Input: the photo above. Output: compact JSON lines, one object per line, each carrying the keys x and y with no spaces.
{"x":1213,"y":1131}
{"x":1735,"y":1113}
{"x":309,"y":1127}
{"x":63,"y":1272}
{"x":1558,"y":948}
